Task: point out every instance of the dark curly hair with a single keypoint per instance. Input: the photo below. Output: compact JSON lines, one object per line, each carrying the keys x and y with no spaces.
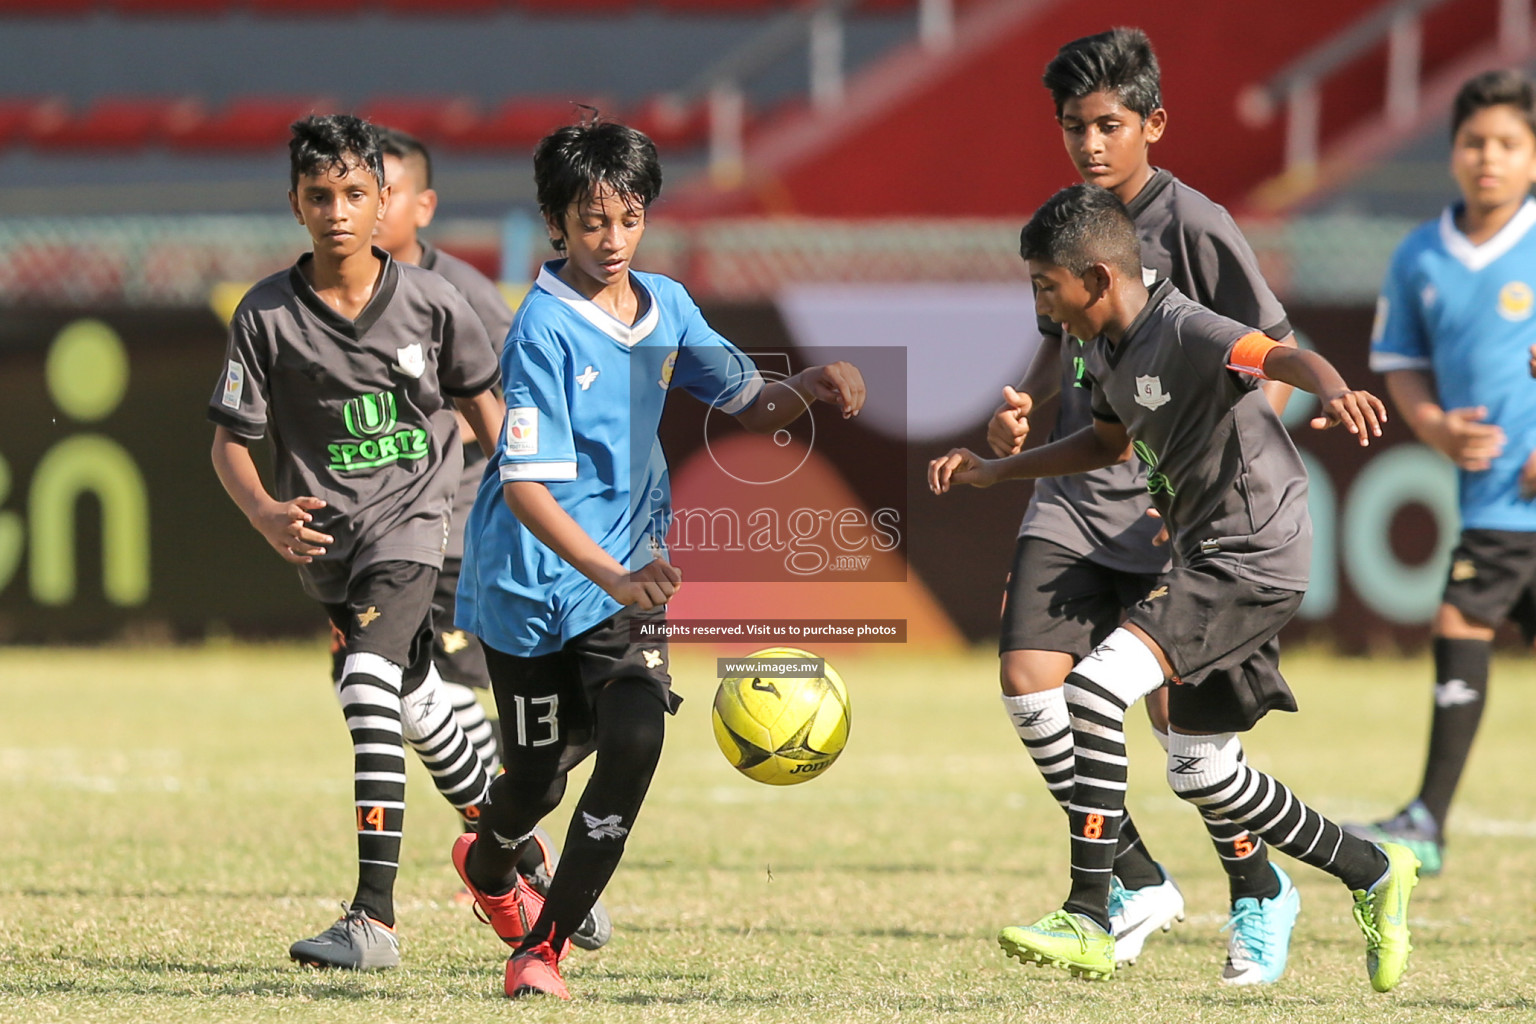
{"x":573,"y":163}
{"x":333,"y":142}
{"x":1120,"y":61}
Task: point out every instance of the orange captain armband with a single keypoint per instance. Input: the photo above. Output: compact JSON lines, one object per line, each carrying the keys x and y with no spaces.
{"x":1249,"y":352}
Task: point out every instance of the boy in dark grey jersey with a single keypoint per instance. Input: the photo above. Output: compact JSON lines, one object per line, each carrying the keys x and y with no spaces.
{"x":457,"y":655}
{"x":1086,"y":549}
{"x":347,"y":359}
{"x":1179,"y":383}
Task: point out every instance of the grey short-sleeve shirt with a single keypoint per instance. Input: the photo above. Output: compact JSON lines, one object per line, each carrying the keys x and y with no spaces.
{"x":352,"y":408}
{"x":1221,"y":466}
{"x":494,"y":313}
{"x":1193,"y":242}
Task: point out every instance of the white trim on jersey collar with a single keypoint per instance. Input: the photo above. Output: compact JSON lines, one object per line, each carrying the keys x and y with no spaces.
{"x":604,"y":321}
{"x":1476,"y":257}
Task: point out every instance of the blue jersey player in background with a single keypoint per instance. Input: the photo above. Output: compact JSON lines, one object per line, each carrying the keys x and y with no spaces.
{"x":1454,"y":327}
{"x":565,"y":577}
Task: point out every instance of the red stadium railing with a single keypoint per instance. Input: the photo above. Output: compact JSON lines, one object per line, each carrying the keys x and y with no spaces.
{"x":416,"y":8}
{"x":254,"y":123}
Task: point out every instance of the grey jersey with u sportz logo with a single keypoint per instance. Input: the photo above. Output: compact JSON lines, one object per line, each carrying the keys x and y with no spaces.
{"x":1221,"y":468}
{"x":351,"y":407}
{"x":1193,"y":242}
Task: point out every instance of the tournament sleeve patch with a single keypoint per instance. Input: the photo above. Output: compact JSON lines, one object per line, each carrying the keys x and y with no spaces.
{"x":1249,"y":352}
{"x":523,"y":430}
{"x":234,"y":385}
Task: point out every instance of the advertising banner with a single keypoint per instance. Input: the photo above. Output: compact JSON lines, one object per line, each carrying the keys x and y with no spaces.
{"x":113,"y":525}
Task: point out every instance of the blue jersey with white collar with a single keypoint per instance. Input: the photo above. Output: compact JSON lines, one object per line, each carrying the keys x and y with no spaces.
{"x":584,"y":394}
{"x":1464,"y":313}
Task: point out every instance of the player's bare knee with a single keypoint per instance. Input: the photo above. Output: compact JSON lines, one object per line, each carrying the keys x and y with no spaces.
{"x":1022,"y":672}
{"x":1451,"y":623}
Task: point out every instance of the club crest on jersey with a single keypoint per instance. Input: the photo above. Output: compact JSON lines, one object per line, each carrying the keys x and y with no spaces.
{"x":587,"y":376}
{"x":234,"y":385}
{"x":410,"y":360}
{"x":1149,"y":393}
{"x":1516,"y":301}
{"x":523,"y":431}
{"x":667,"y":369}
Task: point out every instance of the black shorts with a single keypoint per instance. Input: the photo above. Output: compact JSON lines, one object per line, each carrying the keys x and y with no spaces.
{"x":1493,"y":578}
{"x":1056,"y":600}
{"x":456,"y":653}
{"x":547,"y":701}
{"x":388,"y":612}
{"x":1219,"y":632}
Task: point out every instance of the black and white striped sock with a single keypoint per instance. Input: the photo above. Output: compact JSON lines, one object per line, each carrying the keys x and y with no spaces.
{"x":1116,"y":674}
{"x":1244,"y":856}
{"x":475,"y":723}
{"x":432,"y":729}
{"x":1209,"y":772}
{"x":369,"y":692}
{"x":1043,"y":724}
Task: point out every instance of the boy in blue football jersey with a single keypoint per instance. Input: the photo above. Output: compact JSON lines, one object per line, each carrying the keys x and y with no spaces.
{"x":565,"y":572}
{"x":1453,"y":327}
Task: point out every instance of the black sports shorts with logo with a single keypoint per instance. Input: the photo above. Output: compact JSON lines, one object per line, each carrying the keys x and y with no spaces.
{"x":1057,"y":600}
{"x":1219,"y":632}
{"x":1493,"y":578}
{"x":388,"y":612}
{"x":548,"y":700}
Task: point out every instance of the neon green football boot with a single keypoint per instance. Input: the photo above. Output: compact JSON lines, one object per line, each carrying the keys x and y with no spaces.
{"x":1382,"y":914}
{"x":1065,"y":940}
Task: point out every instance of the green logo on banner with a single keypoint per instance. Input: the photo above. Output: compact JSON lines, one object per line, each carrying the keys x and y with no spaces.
{"x":379,"y":438}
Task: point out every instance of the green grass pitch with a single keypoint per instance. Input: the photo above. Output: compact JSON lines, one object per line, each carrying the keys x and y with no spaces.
{"x":170,"y":820}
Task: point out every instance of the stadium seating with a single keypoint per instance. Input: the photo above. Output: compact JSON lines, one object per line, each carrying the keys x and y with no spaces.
{"x":519,"y":123}
{"x":430,"y":119}
{"x":251,"y":123}
{"x":46,"y":8}
{"x":567,"y":8}
{"x":17,"y":114}
{"x":115,"y":123}
{"x":442,"y":8}
{"x":305,"y":8}
{"x":417,"y":8}
{"x":174,"y":8}
{"x":723,"y":6}
{"x":670,"y":124}
{"x":254,"y":123}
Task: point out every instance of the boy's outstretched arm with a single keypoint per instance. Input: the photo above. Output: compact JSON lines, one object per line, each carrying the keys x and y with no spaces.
{"x":1361,"y":412}
{"x":1277,"y":392}
{"x":484,"y":414}
{"x":1009,"y":426}
{"x":781,"y":402}
{"x":1458,"y":434}
{"x":1094,"y":447}
{"x":281,"y":523}
{"x":546,"y":519}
